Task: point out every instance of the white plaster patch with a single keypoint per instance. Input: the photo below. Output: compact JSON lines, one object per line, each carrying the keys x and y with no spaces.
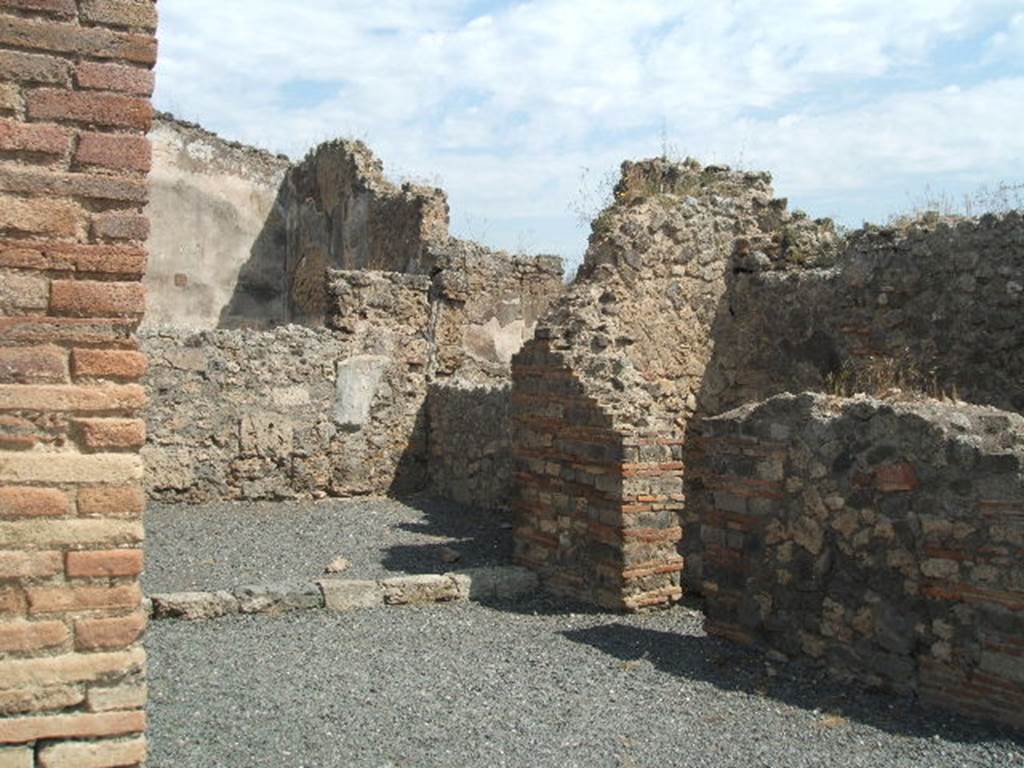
{"x":357,"y":384}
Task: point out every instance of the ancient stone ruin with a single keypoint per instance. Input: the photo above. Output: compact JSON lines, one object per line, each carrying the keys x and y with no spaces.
{"x":657,"y":453}
{"x":317,"y":332}
{"x":818,"y":436}
{"x":332,"y":339}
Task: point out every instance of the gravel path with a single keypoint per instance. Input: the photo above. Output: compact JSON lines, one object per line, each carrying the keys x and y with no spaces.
{"x":218,"y":546}
{"x":533,"y":686}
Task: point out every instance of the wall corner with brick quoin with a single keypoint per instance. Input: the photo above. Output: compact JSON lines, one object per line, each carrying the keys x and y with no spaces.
{"x":75,"y":85}
{"x":871,"y":525}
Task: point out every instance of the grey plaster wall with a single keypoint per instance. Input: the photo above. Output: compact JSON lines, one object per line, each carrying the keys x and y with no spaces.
{"x":215,"y":229}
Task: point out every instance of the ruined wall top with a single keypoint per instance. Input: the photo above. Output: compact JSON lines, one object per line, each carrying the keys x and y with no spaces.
{"x":700,"y":291}
{"x":930,"y":304}
{"x":345,"y":214}
{"x":655,"y":198}
{"x":262,"y":233}
{"x":210,"y":151}
{"x":638,"y":317}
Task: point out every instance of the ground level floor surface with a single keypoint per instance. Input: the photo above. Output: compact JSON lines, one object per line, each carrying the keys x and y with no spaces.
{"x":529,"y":684}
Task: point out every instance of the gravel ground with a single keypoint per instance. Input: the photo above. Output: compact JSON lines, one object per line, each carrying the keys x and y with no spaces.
{"x":219,"y":546}
{"x":528,"y":685}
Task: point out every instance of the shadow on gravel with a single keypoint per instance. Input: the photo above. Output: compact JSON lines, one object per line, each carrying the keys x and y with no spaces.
{"x":734,"y":668}
{"x":470,"y":538}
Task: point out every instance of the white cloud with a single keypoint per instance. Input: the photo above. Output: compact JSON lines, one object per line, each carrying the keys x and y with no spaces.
{"x":1008,"y":44}
{"x":507,"y":107}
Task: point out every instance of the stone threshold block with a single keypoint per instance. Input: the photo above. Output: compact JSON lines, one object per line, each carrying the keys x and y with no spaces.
{"x":343,"y":595}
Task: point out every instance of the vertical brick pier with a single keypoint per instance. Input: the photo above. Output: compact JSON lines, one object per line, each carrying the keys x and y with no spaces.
{"x":75,"y":82}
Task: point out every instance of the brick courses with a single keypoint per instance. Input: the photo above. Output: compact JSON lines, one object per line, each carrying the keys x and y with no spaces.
{"x":74,"y":85}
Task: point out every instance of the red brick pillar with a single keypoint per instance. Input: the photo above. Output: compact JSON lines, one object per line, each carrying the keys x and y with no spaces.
{"x":75,"y":82}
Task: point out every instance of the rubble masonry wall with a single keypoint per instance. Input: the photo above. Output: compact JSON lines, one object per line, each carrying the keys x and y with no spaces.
{"x":603,"y":396}
{"x":883,"y":540}
{"x":406,"y":367}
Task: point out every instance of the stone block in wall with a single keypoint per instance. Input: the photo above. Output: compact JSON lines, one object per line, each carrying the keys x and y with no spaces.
{"x":272,"y":434}
{"x":168,"y":469}
{"x":266,"y":435}
{"x":358,"y":379}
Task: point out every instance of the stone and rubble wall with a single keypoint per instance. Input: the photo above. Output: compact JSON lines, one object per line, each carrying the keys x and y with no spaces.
{"x":933,"y":305}
{"x":700,"y":292}
{"x":884,"y":540}
{"x":312,"y":261}
{"x":406,"y":367}
{"x":623,"y":354}
{"x":295,"y":412}
{"x":342,"y":213}
{"x":75,"y":81}
{"x":487,"y":306}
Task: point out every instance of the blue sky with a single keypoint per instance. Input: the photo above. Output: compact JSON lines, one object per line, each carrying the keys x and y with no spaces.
{"x":522,"y":111}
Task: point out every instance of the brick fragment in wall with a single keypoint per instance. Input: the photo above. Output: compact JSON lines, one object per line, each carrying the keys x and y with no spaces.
{"x":83,"y":107}
{"x":35,"y":329}
{"x":57,"y":218}
{"x":111,"y":434}
{"x":70,"y":397}
{"x":34,"y":68}
{"x":116,"y":152}
{"x":22,"y":293}
{"x":53,"y":533}
{"x":88,"y":298}
{"x":60,"y":8}
{"x":108,"y":364}
{"x":40,"y":699}
{"x":111,"y":500}
{"x":63,"y":599}
{"x":38,"y":35}
{"x":120,"y":226}
{"x":49,"y":140}
{"x":114,"y":77}
{"x":70,"y":668}
{"x":25,"y":501}
{"x":33,"y":365}
{"x":30,"y":565}
{"x":126,"y":260}
{"x":85,"y":185}
{"x":130,"y":695}
{"x":32,"y":636}
{"x":94,"y":754}
{"x":92,"y":564}
{"x":120,"y":13}
{"x":10,"y":98}
{"x":72,"y":726}
{"x":109,"y":633}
